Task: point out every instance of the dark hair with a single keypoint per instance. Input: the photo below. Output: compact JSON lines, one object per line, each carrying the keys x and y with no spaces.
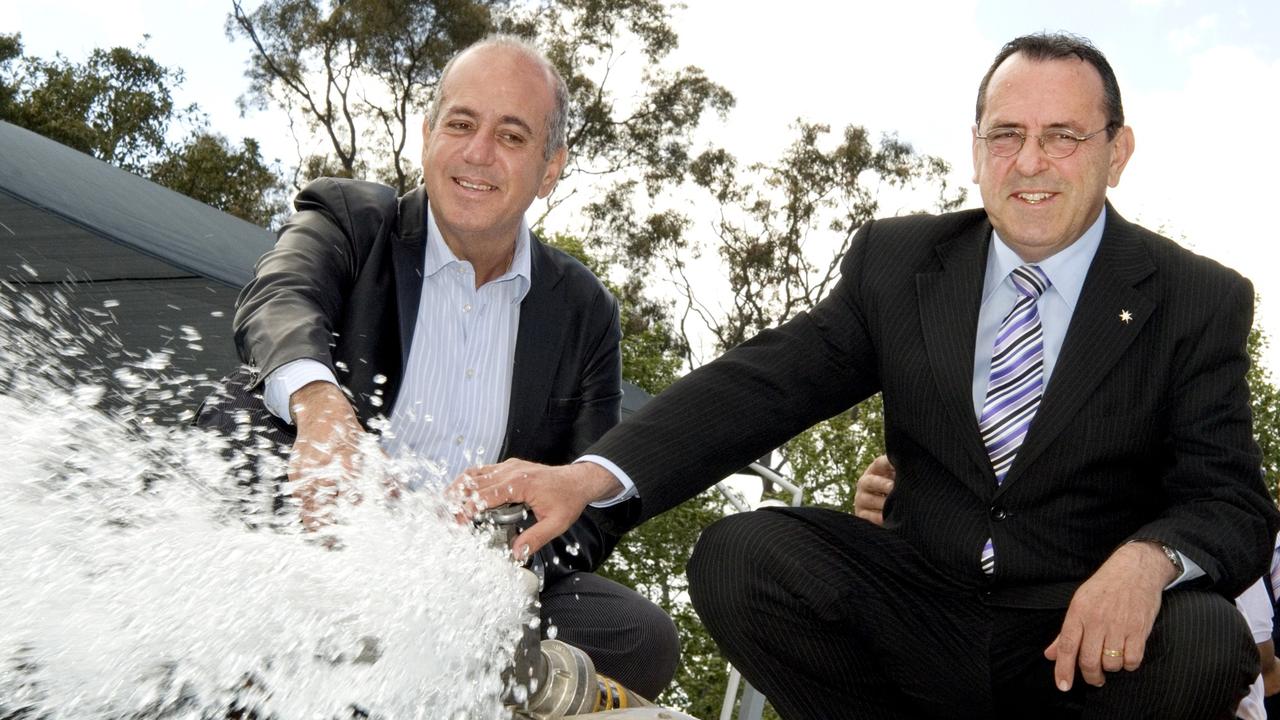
{"x":1056,"y":46}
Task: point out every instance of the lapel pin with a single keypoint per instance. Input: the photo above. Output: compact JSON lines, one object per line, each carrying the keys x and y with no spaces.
{"x":1126,"y":316}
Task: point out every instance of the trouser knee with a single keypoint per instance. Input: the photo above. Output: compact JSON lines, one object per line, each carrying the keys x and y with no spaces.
{"x":1200,"y":661}
{"x":716,"y":567}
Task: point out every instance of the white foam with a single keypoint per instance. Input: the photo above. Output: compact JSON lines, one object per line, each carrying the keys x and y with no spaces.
{"x":132,"y":585}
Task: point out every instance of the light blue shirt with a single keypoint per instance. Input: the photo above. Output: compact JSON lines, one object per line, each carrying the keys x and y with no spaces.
{"x":1066,"y":270}
{"x":451,"y":410}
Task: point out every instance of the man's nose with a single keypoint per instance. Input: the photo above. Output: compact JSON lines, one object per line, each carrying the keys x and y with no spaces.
{"x":1031,"y":159}
{"x":479,"y":149}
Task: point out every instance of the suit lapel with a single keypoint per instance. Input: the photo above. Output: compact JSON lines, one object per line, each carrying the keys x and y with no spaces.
{"x":407,"y":257}
{"x":949,"y":302}
{"x":1096,"y":338}
{"x":539,"y":342}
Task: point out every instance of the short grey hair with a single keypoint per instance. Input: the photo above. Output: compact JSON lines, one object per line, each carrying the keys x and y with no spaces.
{"x":557,"y":120}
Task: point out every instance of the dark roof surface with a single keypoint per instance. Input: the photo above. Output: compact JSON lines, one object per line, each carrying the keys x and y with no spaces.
{"x":58,"y":205}
{"x":154,"y":269}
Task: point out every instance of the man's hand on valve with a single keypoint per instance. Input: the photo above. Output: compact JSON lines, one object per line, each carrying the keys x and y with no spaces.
{"x":556,"y":495}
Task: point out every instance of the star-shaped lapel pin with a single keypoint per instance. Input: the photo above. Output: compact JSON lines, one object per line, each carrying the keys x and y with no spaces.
{"x":1126,"y":317}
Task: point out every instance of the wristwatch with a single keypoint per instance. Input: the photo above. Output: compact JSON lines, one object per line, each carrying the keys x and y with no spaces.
{"x":1174,"y":557}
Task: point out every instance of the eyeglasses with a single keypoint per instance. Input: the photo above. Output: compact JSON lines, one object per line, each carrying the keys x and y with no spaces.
{"x":1058,"y":144}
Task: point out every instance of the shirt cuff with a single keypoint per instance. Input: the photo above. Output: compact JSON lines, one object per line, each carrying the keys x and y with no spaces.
{"x":289,"y":378}
{"x":1190,"y":570}
{"x":628,"y":487}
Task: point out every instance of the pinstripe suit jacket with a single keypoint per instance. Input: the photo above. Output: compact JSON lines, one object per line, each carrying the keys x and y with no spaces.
{"x":1144,"y":430}
{"x":342,"y":287}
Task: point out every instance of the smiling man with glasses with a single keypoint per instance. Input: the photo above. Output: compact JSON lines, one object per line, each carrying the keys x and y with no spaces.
{"x":1077,"y":492}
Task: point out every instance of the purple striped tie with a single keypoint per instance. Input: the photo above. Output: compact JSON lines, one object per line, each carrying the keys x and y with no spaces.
{"x":1275,"y":575}
{"x":1016,"y":381}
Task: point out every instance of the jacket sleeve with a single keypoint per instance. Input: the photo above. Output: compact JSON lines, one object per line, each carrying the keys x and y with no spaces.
{"x":1217,"y":511}
{"x":291,"y":308}
{"x":729,"y":412}
{"x":587,"y":543}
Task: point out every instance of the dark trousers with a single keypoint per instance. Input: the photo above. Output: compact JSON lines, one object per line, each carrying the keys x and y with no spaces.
{"x":833,"y":617}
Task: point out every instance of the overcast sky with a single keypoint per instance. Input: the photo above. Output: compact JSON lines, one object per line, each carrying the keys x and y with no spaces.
{"x":1201,"y":85}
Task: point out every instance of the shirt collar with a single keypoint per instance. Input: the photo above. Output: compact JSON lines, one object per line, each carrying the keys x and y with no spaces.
{"x":439,"y":256}
{"x":1066,"y":268}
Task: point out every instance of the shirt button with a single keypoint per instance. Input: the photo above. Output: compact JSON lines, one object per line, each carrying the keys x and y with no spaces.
{"x":466,"y":308}
{"x":471,"y":372}
{"x":457,"y":440}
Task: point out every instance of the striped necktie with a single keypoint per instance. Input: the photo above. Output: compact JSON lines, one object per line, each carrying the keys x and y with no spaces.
{"x":1275,"y":575}
{"x":1016,"y":382}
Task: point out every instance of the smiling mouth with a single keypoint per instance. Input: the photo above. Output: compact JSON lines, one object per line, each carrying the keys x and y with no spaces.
{"x":1033,"y":198}
{"x":482,"y":187}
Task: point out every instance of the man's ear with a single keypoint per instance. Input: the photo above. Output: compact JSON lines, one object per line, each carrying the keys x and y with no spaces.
{"x":976,"y":150}
{"x":1121,"y":150}
{"x":554,"y":167}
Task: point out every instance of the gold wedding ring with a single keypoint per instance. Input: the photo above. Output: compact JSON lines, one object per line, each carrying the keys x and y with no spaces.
{"x":1113,"y":653}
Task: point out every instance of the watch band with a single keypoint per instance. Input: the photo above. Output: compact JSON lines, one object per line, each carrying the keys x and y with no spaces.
{"x":1175,"y":558}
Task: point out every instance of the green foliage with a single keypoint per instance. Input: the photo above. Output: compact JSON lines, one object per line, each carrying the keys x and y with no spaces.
{"x":1264,"y":399}
{"x":781,"y":232}
{"x":652,"y":352}
{"x":118,"y":107}
{"x":10,"y":55}
{"x":652,"y":559}
{"x":828,"y":458}
{"x":651,"y":132}
{"x":235,"y":180}
{"x":785,"y":225}
{"x":355,"y":72}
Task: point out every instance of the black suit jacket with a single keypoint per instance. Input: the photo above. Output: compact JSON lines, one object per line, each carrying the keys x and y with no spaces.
{"x":1144,"y":430}
{"x":342,"y":287}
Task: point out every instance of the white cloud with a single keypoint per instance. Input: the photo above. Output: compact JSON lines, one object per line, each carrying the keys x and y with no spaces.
{"x":1205,"y":168}
{"x":1186,"y":38}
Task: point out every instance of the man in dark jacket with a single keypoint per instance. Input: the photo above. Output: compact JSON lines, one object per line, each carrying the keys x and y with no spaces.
{"x":1078,"y":491}
{"x":443,"y":313}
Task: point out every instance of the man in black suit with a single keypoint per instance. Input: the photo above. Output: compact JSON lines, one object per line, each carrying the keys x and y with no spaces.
{"x":1078,"y":489}
{"x":442,"y":313}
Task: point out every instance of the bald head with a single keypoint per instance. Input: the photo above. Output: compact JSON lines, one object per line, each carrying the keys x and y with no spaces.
{"x":557,"y":119}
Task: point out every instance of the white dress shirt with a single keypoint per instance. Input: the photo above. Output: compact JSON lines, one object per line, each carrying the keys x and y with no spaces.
{"x":452,"y":406}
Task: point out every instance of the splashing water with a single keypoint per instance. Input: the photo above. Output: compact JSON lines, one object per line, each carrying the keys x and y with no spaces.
{"x":132,"y":584}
